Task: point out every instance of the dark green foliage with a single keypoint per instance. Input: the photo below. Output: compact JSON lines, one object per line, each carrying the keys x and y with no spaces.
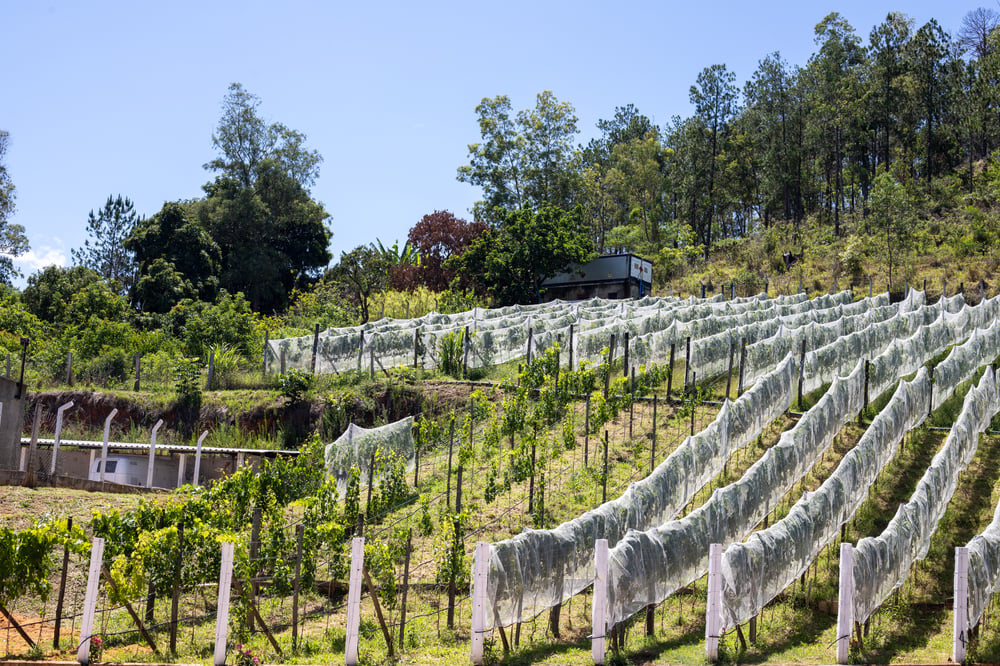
{"x":105,"y":251}
{"x":359,"y":275}
{"x":176,"y":258}
{"x":511,"y":260}
{"x":187,"y":380}
{"x":271,"y":233}
{"x":50,"y":291}
{"x":294,"y":384}
{"x":229,"y":321}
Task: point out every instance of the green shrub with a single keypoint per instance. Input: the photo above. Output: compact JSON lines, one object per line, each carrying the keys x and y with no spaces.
{"x":294,"y":385}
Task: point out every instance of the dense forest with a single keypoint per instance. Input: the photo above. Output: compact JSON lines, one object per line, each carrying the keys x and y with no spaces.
{"x":877,"y":156}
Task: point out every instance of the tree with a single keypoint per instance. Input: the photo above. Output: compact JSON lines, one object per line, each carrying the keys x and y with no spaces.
{"x":272,"y":235}
{"x":714,"y":100}
{"x":361,"y":273}
{"x":893,"y":216}
{"x":512,"y":259}
{"x":105,"y":252}
{"x":437,"y":237}
{"x":835,"y":91}
{"x":524,"y":162}
{"x":176,"y":259}
{"x":245,"y":142}
{"x":929,"y":61}
{"x":13,"y":242}
{"x":51,"y":289}
{"x":975,"y":31}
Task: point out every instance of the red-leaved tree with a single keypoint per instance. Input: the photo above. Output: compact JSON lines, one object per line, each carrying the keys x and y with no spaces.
{"x":437,"y":236}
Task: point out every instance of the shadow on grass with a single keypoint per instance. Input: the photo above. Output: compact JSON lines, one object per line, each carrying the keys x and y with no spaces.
{"x":806,"y":629}
{"x":539,"y":651}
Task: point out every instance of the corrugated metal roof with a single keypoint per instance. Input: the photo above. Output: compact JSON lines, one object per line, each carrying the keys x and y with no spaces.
{"x":160,"y":448}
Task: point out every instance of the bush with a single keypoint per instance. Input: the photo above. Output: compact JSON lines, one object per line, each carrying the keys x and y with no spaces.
{"x":294,"y":384}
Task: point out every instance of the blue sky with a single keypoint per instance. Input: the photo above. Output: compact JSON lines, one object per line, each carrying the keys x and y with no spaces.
{"x":115,"y":98}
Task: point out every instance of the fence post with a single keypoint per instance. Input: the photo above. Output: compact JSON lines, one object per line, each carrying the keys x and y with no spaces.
{"x":104,"y":446}
{"x":175,"y":596}
{"x":416,"y":346}
{"x":604,"y":474}
{"x":652,"y":453}
{"x":299,"y":531}
{"x":451,"y":448}
{"x":263,"y":365}
{"x":611,"y":363}
{"x":481,"y":561}
{"x":152,"y":454}
{"x":845,"y":603}
{"x":354,"y":601}
{"x":406,"y":588}
{"x":598,"y":638}
{"x":361,"y":351}
{"x":59,"y":425}
{"x":530,"y":336}
{"x":729,"y":370}
{"x":670,"y":374}
{"x":743,"y":362}
{"x":222,"y":608}
{"x":571,"y":368}
{"x":181,"y":465}
{"x":868,"y":365}
{"x":687,"y":363}
{"x":62,"y":587}
{"x":138,"y":372}
{"x":465,"y":353}
{"x":802,"y":371}
{"x":69,"y":368}
{"x":315,"y":350}
{"x":713,"y":610}
{"x":197,"y":459}
{"x":90,"y":600}
{"x":211,"y":370}
{"x":625,"y":358}
{"x":254,"y":550}
{"x":960,"y":632}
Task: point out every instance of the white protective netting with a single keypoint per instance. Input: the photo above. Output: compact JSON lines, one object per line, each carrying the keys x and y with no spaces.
{"x":756,"y":571}
{"x":777,"y":336}
{"x":586,"y":327}
{"x":646,"y":567}
{"x":882,"y":563}
{"x":539,"y":569}
{"x":357,"y":446}
{"x":984,"y":567}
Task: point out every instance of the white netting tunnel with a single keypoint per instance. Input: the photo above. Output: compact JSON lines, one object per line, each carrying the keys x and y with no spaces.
{"x":646,"y":567}
{"x":538,"y":569}
{"x":756,"y":571}
{"x":882,"y":563}
{"x":586,"y":328}
{"x":357,"y":446}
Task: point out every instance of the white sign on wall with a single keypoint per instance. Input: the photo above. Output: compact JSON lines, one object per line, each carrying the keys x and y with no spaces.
{"x":641,"y":269}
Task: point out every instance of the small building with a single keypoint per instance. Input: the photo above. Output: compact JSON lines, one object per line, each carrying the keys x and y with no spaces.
{"x":608,"y":276}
